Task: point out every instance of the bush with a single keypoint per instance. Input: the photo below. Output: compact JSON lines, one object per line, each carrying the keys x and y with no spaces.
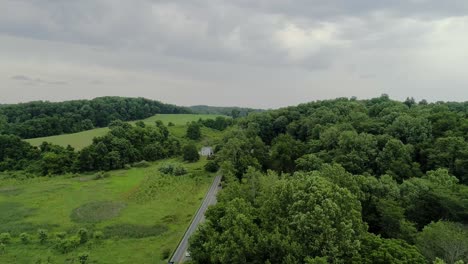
{"x":83,"y":235}
{"x":83,"y":257}
{"x":212,"y":166}
{"x":141,"y":164}
{"x":190,"y":153}
{"x":61,"y":235}
{"x":165,"y":254}
{"x":98,"y":235}
{"x":179,"y":170}
{"x":173,"y":169}
{"x":167,"y":168}
{"x":5,"y":238}
{"x":68,"y":245}
{"x":25,"y":238}
{"x":170,"y":124}
{"x":2,"y":248}
{"x":43,"y":235}
{"x":127,"y":167}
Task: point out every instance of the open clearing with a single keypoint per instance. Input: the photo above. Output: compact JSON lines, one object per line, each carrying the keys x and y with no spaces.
{"x":82,"y":139}
{"x":140,"y":212}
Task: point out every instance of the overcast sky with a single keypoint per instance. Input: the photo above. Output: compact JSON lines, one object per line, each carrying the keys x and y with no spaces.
{"x":257,"y":53}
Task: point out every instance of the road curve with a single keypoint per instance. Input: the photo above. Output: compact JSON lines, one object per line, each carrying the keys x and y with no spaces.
{"x":179,"y":255}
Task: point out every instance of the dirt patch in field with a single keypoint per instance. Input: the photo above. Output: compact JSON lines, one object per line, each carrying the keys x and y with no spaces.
{"x":95,"y":212}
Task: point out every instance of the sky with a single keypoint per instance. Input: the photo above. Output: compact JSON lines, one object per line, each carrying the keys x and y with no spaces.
{"x":253,"y":53}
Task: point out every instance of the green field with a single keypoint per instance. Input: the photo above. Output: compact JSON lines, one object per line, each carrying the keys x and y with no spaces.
{"x":84,"y":138}
{"x":140,"y":211}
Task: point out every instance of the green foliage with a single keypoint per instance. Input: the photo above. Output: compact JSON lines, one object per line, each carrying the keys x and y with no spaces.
{"x":445,"y":240}
{"x":190,"y":153}
{"x":5,"y":238}
{"x":83,"y":257}
{"x":193,"y":131}
{"x":212,"y":166}
{"x":134,"y":231}
{"x":98,"y":235}
{"x":42,"y":235}
{"x":95,"y":212}
{"x":83,"y":234}
{"x":165,"y":253}
{"x":175,"y":169}
{"x":141,"y":164}
{"x":25,"y":238}
{"x":38,"y":119}
{"x":67,"y":245}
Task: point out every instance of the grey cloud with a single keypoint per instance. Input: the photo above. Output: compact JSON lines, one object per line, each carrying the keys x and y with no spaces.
{"x":36,"y":81}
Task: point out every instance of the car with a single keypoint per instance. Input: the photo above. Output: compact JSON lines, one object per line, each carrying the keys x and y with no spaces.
{"x":187,"y":254}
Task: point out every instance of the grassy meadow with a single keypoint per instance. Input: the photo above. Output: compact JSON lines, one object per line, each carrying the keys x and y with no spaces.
{"x":82,"y":139}
{"x":138,"y":215}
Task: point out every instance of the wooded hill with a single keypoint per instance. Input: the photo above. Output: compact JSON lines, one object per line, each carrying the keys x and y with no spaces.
{"x":43,"y":118}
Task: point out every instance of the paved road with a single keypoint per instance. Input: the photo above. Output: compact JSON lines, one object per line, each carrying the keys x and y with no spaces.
{"x":210,"y":198}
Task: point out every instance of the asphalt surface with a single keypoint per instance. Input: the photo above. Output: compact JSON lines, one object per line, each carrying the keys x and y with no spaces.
{"x":179,"y":255}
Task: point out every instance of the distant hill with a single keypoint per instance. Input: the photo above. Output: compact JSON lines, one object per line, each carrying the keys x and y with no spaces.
{"x":220,"y":110}
{"x":43,"y":118}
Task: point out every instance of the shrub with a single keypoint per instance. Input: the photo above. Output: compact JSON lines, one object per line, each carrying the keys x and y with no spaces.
{"x":2,"y":248}
{"x":212,"y":166}
{"x":170,"y":124}
{"x":98,"y":235}
{"x":190,"y":153}
{"x":61,"y":235}
{"x":25,"y":238}
{"x":127,"y":166}
{"x":43,"y":235}
{"x":83,"y":235}
{"x":173,"y":169}
{"x":179,"y":170}
{"x":67,"y":245}
{"x":165,"y":254}
{"x":5,"y":238}
{"x":83,"y":257}
{"x":167,"y":168}
{"x":141,"y":164}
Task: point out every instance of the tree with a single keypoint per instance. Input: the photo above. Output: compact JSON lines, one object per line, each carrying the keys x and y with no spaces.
{"x":193,"y":131}
{"x":446,"y":240}
{"x":190,"y":153}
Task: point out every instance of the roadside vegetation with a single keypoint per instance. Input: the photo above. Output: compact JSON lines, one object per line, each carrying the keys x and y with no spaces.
{"x":342,"y":181}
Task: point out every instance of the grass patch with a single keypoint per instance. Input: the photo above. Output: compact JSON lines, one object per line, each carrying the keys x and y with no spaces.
{"x":95,"y":212}
{"x":134,"y":231}
{"x":10,"y":190}
{"x":85,"y":138}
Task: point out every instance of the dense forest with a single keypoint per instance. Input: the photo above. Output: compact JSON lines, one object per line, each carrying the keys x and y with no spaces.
{"x":42,"y":118}
{"x":234,"y":112}
{"x":342,"y":181}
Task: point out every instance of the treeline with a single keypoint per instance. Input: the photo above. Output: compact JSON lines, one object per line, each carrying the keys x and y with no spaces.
{"x":42,"y":118}
{"x":123,"y":145}
{"x":342,"y":181}
{"x":234,"y":112}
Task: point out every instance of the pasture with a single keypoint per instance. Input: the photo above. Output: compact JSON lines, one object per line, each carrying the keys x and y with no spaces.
{"x":82,"y":139}
{"x":131,"y":216}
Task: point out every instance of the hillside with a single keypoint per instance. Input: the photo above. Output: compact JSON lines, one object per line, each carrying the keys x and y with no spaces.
{"x":220,"y":110}
{"x":42,"y":118}
{"x":82,"y":139}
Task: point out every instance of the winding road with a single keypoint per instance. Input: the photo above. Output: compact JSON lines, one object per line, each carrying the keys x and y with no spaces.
{"x":180,"y":255}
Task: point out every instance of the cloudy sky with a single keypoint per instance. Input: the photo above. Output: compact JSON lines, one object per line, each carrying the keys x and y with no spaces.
{"x":257,"y":53}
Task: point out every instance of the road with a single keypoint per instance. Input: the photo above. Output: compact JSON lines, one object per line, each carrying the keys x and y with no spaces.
{"x":179,"y":255}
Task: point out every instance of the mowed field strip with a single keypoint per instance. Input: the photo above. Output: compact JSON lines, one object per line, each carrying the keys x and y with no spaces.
{"x":82,"y":139}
